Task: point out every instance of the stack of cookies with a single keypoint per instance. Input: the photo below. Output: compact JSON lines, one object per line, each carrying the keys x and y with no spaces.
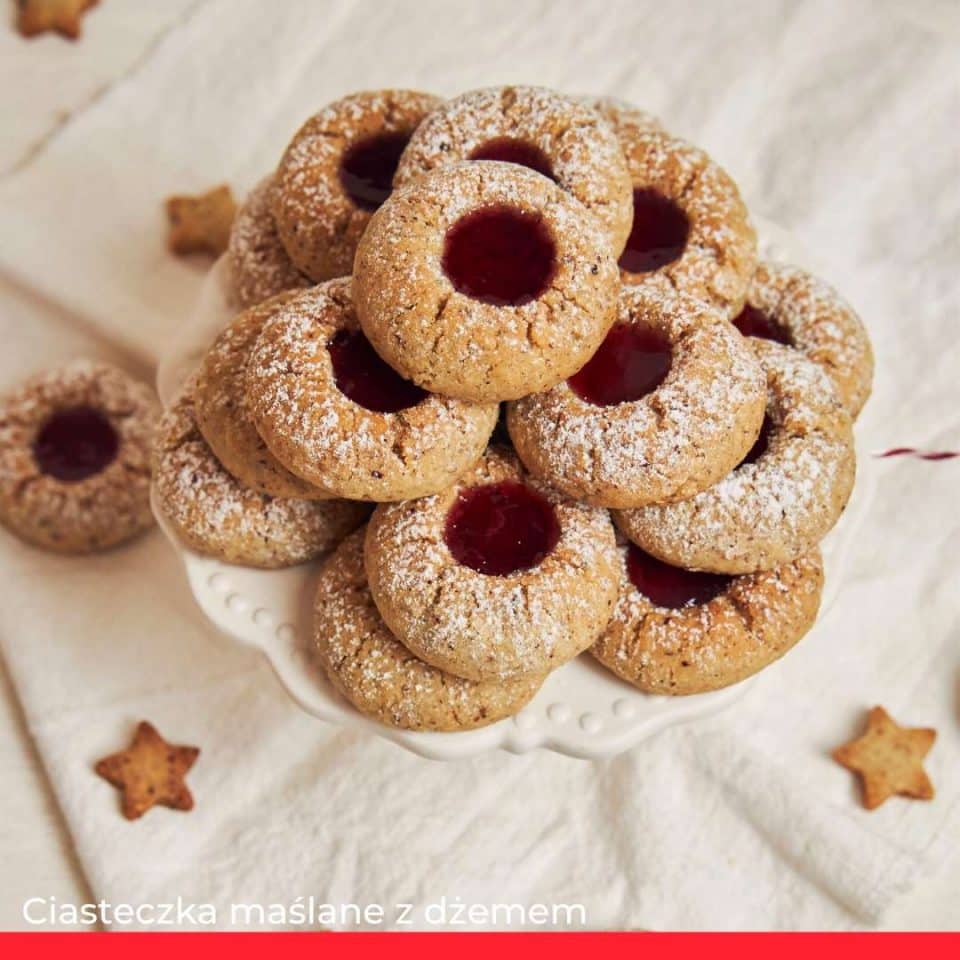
{"x":531,"y":329}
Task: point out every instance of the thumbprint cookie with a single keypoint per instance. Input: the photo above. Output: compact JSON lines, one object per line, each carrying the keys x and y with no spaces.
{"x":791,"y":306}
{"x":495,"y":577}
{"x":669,"y":404}
{"x":216,"y":515}
{"x":337,"y":170}
{"x":689,"y":225}
{"x":380,"y":676}
{"x":782,"y":500}
{"x":559,"y":137}
{"x":484,"y":281}
{"x":335,"y":414}
{"x":677,"y":632}
{"x":75,"y":458}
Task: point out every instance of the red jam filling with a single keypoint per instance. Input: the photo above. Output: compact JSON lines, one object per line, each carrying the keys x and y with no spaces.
{"x":508,"y":150}
{"x":752,"y":322}
{"x":75,"y":444}
{"x":500,"y":255}
{"x":500,"y":528}
{"x":759,"y":447}
{"x":671,"y":587}
{"x":631,"y":362}
{"x":659,"y":233}
{"x":366,"y":379}
{"x":368,"y":166}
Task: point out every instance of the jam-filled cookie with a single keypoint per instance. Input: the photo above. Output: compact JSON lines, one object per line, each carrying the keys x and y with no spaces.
{"x":342,"y":419}
{"x":690,"y":224}
{"x":560,"y":137}
{"x":495,"y":577}
{"x":380,"y":676}
{"x":216,"y":515}
{"x":484,"y":281}
{"x":259,"y":264}
{"x":222,"y":411}
{"x":793,"y":307}
{"x":782,"y":500}
{"x":337,"y":170}
{"x":626,"y":119}
{"x":75,"y":458}
{"x":669,"y":404}
{"x":677,"y":632}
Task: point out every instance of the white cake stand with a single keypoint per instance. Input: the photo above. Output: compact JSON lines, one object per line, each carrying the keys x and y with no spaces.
{"x":582,"y":710}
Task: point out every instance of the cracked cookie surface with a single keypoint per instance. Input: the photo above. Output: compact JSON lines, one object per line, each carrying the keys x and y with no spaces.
{"x":564,"y":137}
{"x":318,"y":219}
{"x":719,"y":253}
{"x":380,"y":676}
{"x":456,"y":344}
{"x":669,"y":444}
{"x":797,"y":308}
{"x":483,"y":626}
{"x":779,"y":505}
{"x":75,"y":458}
{"x":678,"y":649}
{"x":221,"y":406}
{"x":216,"y":515}
{"x":330,"y":440}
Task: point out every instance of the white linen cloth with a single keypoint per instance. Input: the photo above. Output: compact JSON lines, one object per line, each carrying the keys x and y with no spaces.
{"x":839,"y":121}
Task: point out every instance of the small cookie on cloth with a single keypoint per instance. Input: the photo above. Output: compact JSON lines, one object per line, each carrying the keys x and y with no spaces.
{"x":380,"y":676}
{"x":201,"y":223}
{"x":222,"y":410}
{"x":495,"y":577}
{"x":337,"y":170}
{"x":259,"y":264}
{"x":75,"y":458}
{"x":215,"y":515}
{"x":150,"y":772}
{"x":335,"y":414}
{"x":793,"y":307}
{"x":41,"y":16}
{"x":889,"y":759}
{"x":678,"y":632}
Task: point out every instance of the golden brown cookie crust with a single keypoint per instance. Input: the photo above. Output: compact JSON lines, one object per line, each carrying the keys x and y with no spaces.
{"x":336,"y":444}
{"x":776,"y":509}
{"x":200,"y":223}
{"x":486,"y":627}
{"x":94,"y":513}
{"x":221,"y":407}
{"x":686,"y":435}
{"x":753,"y":622}
{"x":820,"y":324}
{"x":626,"y":119}
{"x":259,"y":265}
{"x":215,"y":515}
{"x":721,"y":249}
{"x":318,"y":221}
{"x":583,"y":152}
{"x":459,"y":346}
{"x":379,"y":675}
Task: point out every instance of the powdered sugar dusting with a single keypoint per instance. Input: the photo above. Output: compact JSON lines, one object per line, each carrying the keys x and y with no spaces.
{"x":679,"y":439}
{"x":774,"y":509}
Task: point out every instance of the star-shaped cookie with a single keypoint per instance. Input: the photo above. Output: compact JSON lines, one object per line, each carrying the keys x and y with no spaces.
{"x":149,"y":772}
{"x":888,"y":759}
{"x":201,"y":224}
{"x":40,"y":16}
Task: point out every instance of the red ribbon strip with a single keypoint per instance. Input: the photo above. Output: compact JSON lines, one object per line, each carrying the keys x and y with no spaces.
{"x":919,"y":454}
